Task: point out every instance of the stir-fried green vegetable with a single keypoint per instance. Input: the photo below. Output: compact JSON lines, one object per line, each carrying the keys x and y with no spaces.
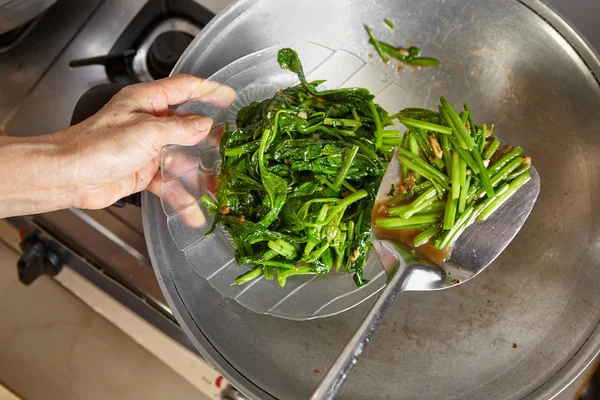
{"x":410,"y":56}
{"x":299,"y":177}
{"x":468,"y":177}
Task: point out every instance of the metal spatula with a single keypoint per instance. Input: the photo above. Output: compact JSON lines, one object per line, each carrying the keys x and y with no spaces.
{"x":476,"y":248}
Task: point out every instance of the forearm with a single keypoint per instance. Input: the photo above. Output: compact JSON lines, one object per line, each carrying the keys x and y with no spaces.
{"x":32,"y":176}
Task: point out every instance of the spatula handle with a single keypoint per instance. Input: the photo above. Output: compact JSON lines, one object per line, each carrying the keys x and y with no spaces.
{"x":347,"y":359}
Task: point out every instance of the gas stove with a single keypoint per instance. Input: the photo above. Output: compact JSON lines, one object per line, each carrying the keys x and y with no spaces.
{"x":46,"y":68}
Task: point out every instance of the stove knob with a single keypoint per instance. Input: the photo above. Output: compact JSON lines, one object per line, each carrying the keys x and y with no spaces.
{"x":231,"y":393}
{"x":165,"y":51}
{"x":40,"y":257}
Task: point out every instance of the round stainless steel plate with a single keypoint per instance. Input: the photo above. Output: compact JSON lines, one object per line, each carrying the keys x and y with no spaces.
{"x":525,"y":327}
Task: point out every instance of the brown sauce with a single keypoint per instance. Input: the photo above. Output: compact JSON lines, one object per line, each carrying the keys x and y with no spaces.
{"x":407,"y":237}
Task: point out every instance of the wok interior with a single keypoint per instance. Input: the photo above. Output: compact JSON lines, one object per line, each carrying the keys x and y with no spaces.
{"x":512,"y":328}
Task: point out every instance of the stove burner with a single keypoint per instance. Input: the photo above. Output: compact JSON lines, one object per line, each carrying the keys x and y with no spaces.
{"x":165,"y":51}
{"x":160,"y":50}
{"x":151,"y":44}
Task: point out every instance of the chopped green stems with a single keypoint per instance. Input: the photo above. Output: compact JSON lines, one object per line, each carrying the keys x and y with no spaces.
{"x":341,"y":206}
{"x":403,"y":168}
{"x":470,"y":119}
{"x":349,"y":187}
{"x":377,"y":121}
{"x":282,"y":247}
{"x":492,"y":132}
{"x":428,"y":126}
{"x":461,"y":224}
{"x":391,"y":133}
{"x":407,"y":58}
{"x":413,"y":146}
{"x":463,"y":171}
{"x":269,"y":273}
{"x":489,"y":200}
{"x":405,"y":138}
{"x":355,"y":114}
{"x":446,"y":206}
{"x":248,"y":276}
{"x":424,"y":197}
{"x":456,"y":172}
{"x":455,"y":122}
{"x":424,"y":236}
{"x":388,"y":23}
{"x":391,"y":51}
{"x":314,"y":256}
{"x":465,"y":155}
{"x":518,"y":172}
{"x":481,"y":142}
{"x":414,"y":222}
{"x":424,"y":168}
{"x":491,"y":150}
{"x":434,"y":207}
{"x":419,"y":209}
{"x":377,"y":45}
{"x":505,"y":159}
{"x":390,"y":143}
{"x":483,"y":173}
{"x":502,"y":198}
{"x":458,"y":139}
{"x":417,"y":167}
{"x":450,"y":213}
{"x":345,"y":123}
{"x":345,"y":167}
{"x":447,"y":153}
{"x":275,"y":264}
{"x":283,"y":273}
{"x":423,"y":62}
{"x":504,"y":173}
{"x":438,"y":189}
{"x":416,"y":190}
{"x":423,"y":140}
{"x":302,"y":212}
{"x":464,"y":191}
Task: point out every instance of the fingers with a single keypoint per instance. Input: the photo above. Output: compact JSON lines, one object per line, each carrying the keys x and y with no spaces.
{"x":156,"y":97}
{"x":180,"y":200}
{"x":184,"y":131}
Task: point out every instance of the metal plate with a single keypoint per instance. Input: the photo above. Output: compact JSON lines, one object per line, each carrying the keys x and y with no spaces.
{"x":535,"y":81}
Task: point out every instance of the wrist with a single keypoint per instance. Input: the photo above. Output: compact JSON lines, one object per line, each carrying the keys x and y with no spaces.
{"x":33,"y":176}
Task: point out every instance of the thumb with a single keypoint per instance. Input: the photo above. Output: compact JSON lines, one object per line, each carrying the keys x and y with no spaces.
{"x":185,"y":131}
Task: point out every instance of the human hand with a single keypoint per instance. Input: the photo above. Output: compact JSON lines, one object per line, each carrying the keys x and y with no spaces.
{"x":116,"y":152}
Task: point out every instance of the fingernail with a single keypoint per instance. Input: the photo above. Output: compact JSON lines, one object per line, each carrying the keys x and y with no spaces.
{"x":204,"y":124}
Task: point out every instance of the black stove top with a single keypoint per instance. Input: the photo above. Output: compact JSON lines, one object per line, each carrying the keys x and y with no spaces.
{"x":153,"y":42}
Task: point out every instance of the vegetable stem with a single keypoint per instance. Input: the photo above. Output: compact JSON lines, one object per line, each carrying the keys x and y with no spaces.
{"x":345,"y":167}
{"x":377,"y":121}
{"x":456,"y":175}
{"x":426,"y":125}
{"x":450,"y":213}
{"x":424,"y":236}
{"x":502,"y":198}
{"x":491,"y":150}
{"x":415,"y":222}
{"x":377,"y":45}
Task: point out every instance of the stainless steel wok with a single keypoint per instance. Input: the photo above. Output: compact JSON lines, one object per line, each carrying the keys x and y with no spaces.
{"x":523,"y":329}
